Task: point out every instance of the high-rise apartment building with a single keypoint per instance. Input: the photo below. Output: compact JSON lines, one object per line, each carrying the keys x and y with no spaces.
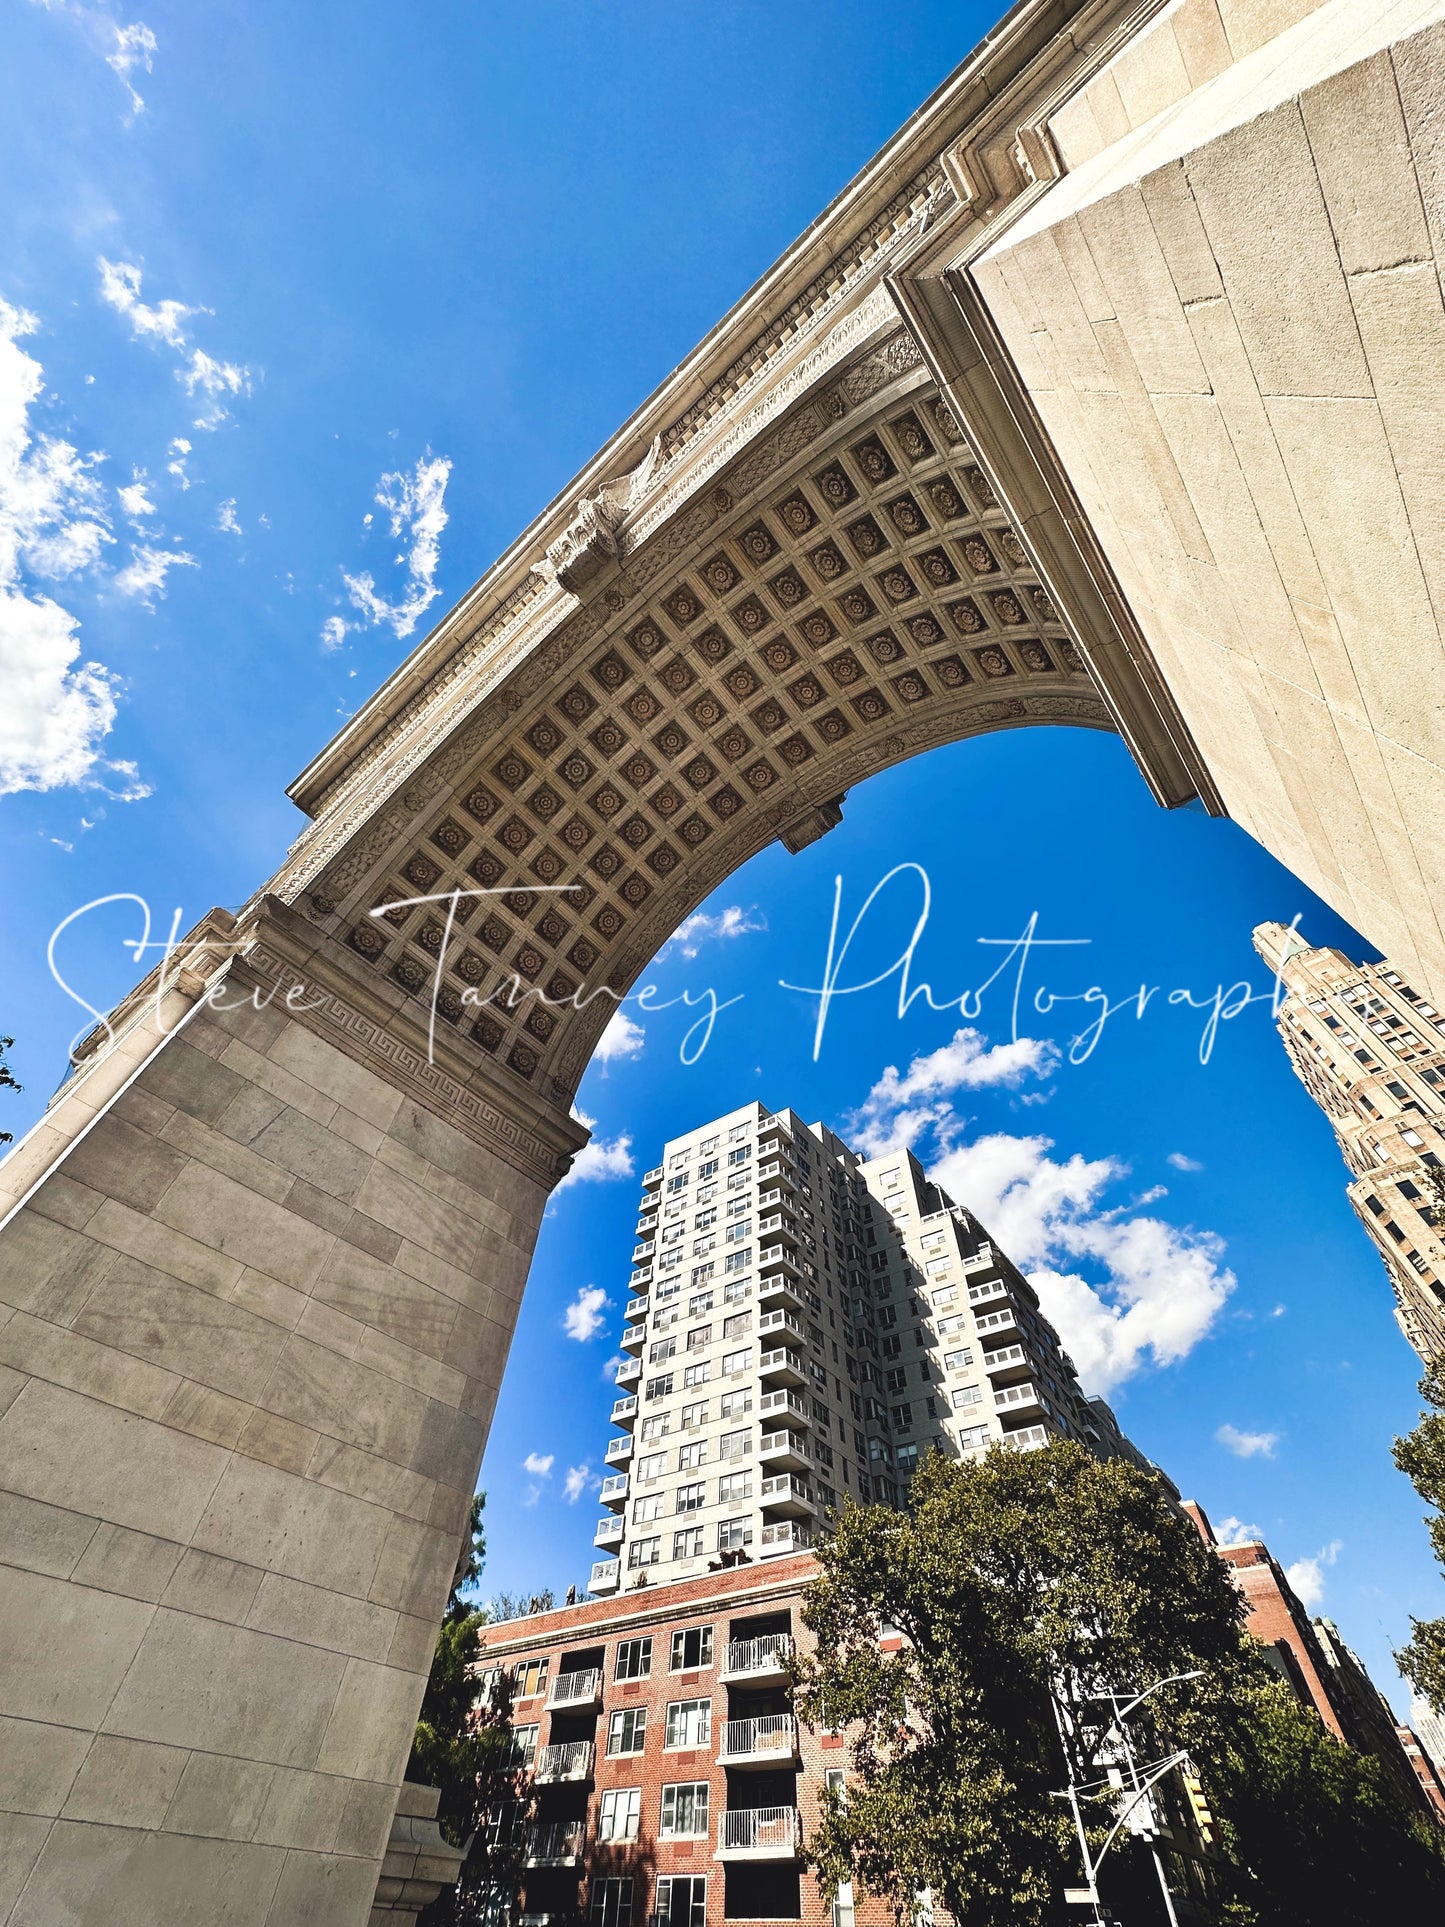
{"x":1370,"y":1050}
{"x":803,"y":1326}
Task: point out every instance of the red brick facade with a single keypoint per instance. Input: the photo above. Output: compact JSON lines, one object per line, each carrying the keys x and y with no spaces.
{"x":738,"y":1605}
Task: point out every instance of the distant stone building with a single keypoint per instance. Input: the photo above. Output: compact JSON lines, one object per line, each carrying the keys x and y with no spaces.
{"x":1370,"y":1050}
{"x":1311,"y":1656}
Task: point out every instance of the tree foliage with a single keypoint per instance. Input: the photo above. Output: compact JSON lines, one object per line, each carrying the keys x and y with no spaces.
{"x":1023,"y":1585}
{"x":7,"y":1080}
{"x":463,"y":1744}
{"x":1420,"y":1455}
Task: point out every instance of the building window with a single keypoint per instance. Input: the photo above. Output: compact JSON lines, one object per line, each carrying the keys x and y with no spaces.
{"x":907,"y":1462}
{"x":660,"y":1387}
{"x":738,"y":1260}
{"x":739,"y":1325}
{"x":627,"y":1731}
{"x":699,"y":1306}
{"x":691,"y":1649}
{"x":651,"y":1465}
{"x":733,"y":1486}
{"x":735,"y":1404}
{"x":733,"y":1534}
{"x":611,"y":1903}
{"x":530,"y":1677}
{"x":965,"y":1396}
{"x":684,"y":1811}
{"x":953,"y":1323}
{"x":741,"y":1155}
{"x":897,"y":1379}
{"x":695,"y":1375}
{"x":958,"y":1361}
{"x":645,"y":1510}
{"x":664,"y":1349}
{"x":693,"y":1416}
{"x":688,"y":1543}
{"x":643,"y":1552}
{"x":621,"y":1810}
{"x":634,"y":1659}
{"x":692,"y":1498}
{"x":735,"y":1289}
{"x":689,"y":1723}
{"x":708,"y":1170}
{"x":656,"y":1427}
{"x":699,"y":1338}
{"x":736,"y":1362}
{"x":690,"y":1457}
{"x":524,"y":1742}
{"x":970,"y":1436}
{"x":902,"y":1418}
{"x":735,"y":1445}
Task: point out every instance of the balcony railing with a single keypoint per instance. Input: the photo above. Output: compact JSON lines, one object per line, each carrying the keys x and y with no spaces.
{"x":784,"y":1489}
{"x":555,"y":1845}
{"x":654,"y":1176}
{"x":605,"y":1574}
{"x":767,"y":1654}
{"x":618,"y":1450}
{"x":784,"y":1445}
{"x":570,"y":1761}
{"x":608,"y":1533}
{"x":780,"y":1321}
{"x":629,"y":1371}
{"x":773,"y":1736}
{"x":641,"y":1279}
{"x":1006,"y":1359}
{"x":773,"y":1404}
{"x":636,"y":1307}
{"x":780,"y":1362}
{"x":787,"y":1537}
{"x":614,"y":1488}
{"x":1027,"y":1394}
{"x":623,"y":1410}
{"x":990,"y":1288}
{"x":577,"y":1689}
{"x":760,"y":1833}
{"x":980,"y":1260}
{"x":1028,"y":1438}
{"x":993,"y":1321}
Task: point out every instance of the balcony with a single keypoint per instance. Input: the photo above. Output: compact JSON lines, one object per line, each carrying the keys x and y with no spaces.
{"x":608,"y":1533}
{"x":571,"y":1762}
{"x":633,"y":1335}
{"x":636,"y":1307}
{"x":757,"y":1662}
{"x":785,"y":1365}
{"x":643,"y":1250}
{"x":992,"y":1321}
{"x":777,"y":1405}
{"x":788,"y":1537}
{"x":577,"y":1692}
{"x":769,"y":1741}
{"x":557,"y":1845}
{"x":777,"y":1256}
{"x":990,"y":1288}
{"x":605,"y":1575}
{"x":758,"y":1833}
{"x":1017,"y":1397}
{"x":614,"y":1490}
{"x":781,"y":1321}
{"x":980,"y":1260}
{"x":624,"y":1410}
{"x":1028,"y":1438}
{"x":780,"y":1289}
{"x":654,"y":1176}
{"x":1006,"y":1362}
{"x":618,"y":1451}
{"x":641,"y":1279}
{"x":787,"y":1494}
{"x":784,"y":1451}
{"x":629,"y":1371}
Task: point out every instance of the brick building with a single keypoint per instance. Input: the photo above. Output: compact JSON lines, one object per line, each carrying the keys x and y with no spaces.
{"x":669,"y":1776}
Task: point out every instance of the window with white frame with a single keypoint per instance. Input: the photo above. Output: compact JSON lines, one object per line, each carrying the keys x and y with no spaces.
{"x":524,"y":1742}
{"x":647,"y":1508}
{"x":687,"y":1544}
{"x":735,"y":1445}
{"x":627,"y":1731}
{"x":690,"y":1457}
{"x":620,"y":1812}
{"x":692,"y":1498}
{"x":691,"y":1649}
{"x":734,"y":1534}
{"x":634,"y":1659}
{"x":694,"y":1415}
{"x":735,"y":1363}
{"x":643,"y":1552}
{"x":695,"y":1375}
{"x":735,"y":1404}
{"x":651,"y":1465}
{"x":689,"y":1723}
{"x":734,"y":1486}
{"x":684,"y":1811}
{"x":656,"y":1427}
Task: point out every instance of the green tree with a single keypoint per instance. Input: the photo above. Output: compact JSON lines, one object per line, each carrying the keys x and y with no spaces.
{"x":1023,"y":1585}
{"x":463,"y":1744}
{"x":7,"y":1080}
{"x":1420,"y":1455}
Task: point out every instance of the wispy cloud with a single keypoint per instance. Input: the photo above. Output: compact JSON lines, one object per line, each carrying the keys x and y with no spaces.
{"x":701,"y":927}
{"x":1234,"y":1532}
{"x":415,"y":506}
{"x":583,"y":1318}
{"x":178,"y":450}
{"x":134,"y":498}
{"x":622,"y":1038}
{"x":226,"y":520}
{"x":1182,"y":1162}
{"x":539,"y":1466}
{"x":144,"y":576}
{"x":599,"y":1159}
{"x":1247,"y":1445}
{"x":123,"y":48}
{"x":902,"y":1106}
{"x":1307,"y":1576}
{"x":578,"y":1478}
{"x":57,"y":711}
{"x":200,"y":374}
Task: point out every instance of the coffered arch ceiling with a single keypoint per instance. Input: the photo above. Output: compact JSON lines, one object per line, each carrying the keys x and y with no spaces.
{"x":847,"y":593}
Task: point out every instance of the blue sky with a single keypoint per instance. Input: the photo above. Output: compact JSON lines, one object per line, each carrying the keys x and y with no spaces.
{"x":390,"y":275}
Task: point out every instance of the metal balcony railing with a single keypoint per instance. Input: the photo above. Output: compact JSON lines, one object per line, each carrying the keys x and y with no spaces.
{"x":624,"y":1409}
{"x":608,"y":1533}
{"x":570,"y":1761}
{"x":776,"y":1321}
{"x":783,"y":1487}
{"x":605,"y":1574}
{"x":1001,"y":1361}
{"x":560,"y":1841}
{"x":1028,"y":1438}
{"x":991,"y":1288}
{"x":575,"y":1689}
{"x":787,"y":1537}
{"x":773,"y":1403}
{"x":766,"y":1654}
{"x":1026,"y":1394}
{"x":614,"y":1488}
{"x":784,"y":1443}
{"x":771,"y":1733}
{"x":993,"y":1321}
{"x":760,"y":1830}
{"x":617,"y":1450}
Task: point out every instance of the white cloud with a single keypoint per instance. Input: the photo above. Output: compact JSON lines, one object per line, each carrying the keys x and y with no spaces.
{"x":226,"y":519}
{"x":900,"y":1108}
{"x":135,"y":498}
{"x":539,"y":1466}
{"x":622,"y":1038}
{"x":1122,"y":1289}
{"x":1247,"y":1445}
{"x":1181,"y":1162}
{"x":144,"y":576}
{"x":1307,"y":1576}
{"x":613,"y":1367}
{"x":415,"y":505}
{"x":583,"y":1317}
{"x":600,"y":1158}
{"x":333,"y":633}
{"x":134,"y":46}
{"x":734,"y":921}
{"x":579,"y":1477}
{"x":178,"y":450}
{"x":1234,"y":1532}
{"x":57,"y":711}
{"x":165,"y":321}
{"x":120,"y":289}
